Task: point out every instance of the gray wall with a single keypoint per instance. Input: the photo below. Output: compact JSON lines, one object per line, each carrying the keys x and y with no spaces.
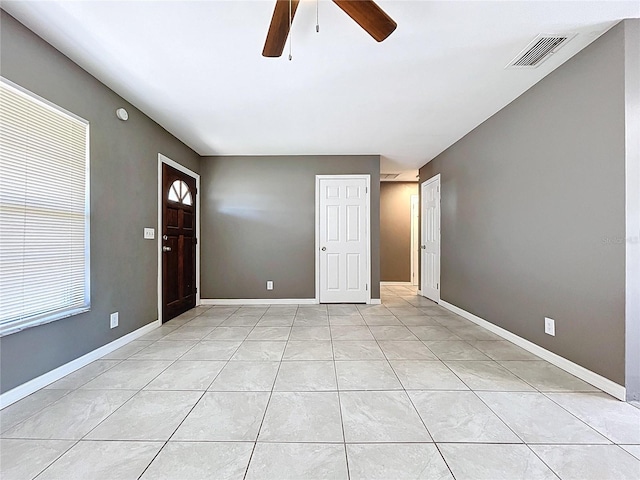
{"x":395,"y":230}
{"x":533,"y":201}
{"x":632,"y":136}
{"x":123,"y":201}
{"x":258,"y":223}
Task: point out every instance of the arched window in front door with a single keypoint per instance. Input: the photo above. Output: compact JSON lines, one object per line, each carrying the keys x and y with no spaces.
{"x":179,"y":192}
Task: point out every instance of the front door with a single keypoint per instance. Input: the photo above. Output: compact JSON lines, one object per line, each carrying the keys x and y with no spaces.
{"x":430,"y":247}
{"x":178,"y":242}
{"x":343,"y":239}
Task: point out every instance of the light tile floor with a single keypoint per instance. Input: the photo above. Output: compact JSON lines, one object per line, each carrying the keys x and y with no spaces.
{"x":403,"y":390}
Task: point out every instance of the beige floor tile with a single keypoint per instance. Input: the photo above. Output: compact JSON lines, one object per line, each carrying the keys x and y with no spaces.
{"x":366,"y":375}
{"x":460,"y":417}
{"x":546,"y":377}
{"x":479,"y":375}
{"x":406,"y":350}
{"x":536,"y":419}
{"x":24,"y":459}
{"x":381,"y":417}
{"x":270,"y":333}
{"x":128,"y":375}
{"x":397,"y":461}
{"x":494,"y":462}
{"x":357,"y":350}
{"x":302,"y":417}
{"x":224,"y":417}
{"x":165,"y":350}
{"x":426,"y":375}
{"x":71,"y":417}
{"x":200,"y":461}
{"x":616,"y":420}
{"x":103,"y":461}
{"x":246,"y":377}
{"x":21,"y":410}
{"x":260,"y":351}
{"x":351,"y":332}
{"x":149,"y":415}
{"x":392,"y":333}
{"x":212,"y":350}
{"x":589,"y":462}
{"x":455,"y":350}
{"x":187,"y":375}
{"x":297,"y":461}
{"x":308,"y":350}
{"x":305,"y":376}
{"x":229,"y":333}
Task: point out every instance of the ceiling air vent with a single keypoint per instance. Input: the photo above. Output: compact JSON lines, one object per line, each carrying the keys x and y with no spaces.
{"x":539,"y":50}
{"x":388,"y":176}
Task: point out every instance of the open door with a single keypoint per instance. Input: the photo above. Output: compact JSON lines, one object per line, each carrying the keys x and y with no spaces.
{"x":430,"y":246}
{"x":178,"y":242}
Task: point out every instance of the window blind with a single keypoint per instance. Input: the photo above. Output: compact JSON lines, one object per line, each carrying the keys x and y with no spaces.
{"x":44,"y":211}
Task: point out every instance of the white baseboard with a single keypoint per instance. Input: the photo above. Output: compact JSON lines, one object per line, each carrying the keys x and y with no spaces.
{"x":258,"y":301}
{"x":604,"y":384}
{"x":42,"y":381}
{"x":267,"y":301}
{"x":397,"y":284}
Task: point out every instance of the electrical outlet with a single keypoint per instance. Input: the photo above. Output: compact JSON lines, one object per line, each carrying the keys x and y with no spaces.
{"x":550,"y":326}
{"x":269,"y":284}
{"x":149,"y":233}
{"x":114,"y":320}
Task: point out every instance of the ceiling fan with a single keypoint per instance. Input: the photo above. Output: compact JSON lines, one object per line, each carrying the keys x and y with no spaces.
{"x":365,"y":13}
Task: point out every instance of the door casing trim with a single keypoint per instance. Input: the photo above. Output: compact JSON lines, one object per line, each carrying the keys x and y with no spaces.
{"x":367,"y":227}
{"x":162,"y":159}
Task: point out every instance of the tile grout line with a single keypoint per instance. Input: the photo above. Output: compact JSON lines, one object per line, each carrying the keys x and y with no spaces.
{"x":264,"y":415}
{"x":413,"y":405}
{"x":335,"y":371}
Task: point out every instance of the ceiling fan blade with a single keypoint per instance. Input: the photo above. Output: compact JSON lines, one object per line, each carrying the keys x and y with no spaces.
{"x":369,"y":16}
{"x":279,"y":28}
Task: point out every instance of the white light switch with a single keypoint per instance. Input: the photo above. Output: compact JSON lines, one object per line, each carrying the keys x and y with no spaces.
{"x":270,"y":285}
{"x":149,"y":233}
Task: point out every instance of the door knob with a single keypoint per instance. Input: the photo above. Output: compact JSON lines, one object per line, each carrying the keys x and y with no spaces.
{"x":324,"y":249}
{"x":166,"y":249}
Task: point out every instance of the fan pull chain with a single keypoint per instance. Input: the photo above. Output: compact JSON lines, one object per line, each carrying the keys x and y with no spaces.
{"x":317,"y":16}
{"x":290,"y":32}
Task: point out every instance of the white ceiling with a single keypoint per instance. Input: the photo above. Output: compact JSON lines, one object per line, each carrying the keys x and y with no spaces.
{"x":196,"y":68}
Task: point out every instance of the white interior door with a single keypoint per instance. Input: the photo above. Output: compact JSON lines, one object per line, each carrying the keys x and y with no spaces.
{"x":430,"y":247}
{"x":343,"y":239}
{"x":415,"y":238}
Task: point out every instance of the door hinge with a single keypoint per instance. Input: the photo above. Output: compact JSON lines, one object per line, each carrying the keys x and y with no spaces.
{"x":366,"y":189}
{"x":196,"y":289}
{"x":366,"y":286}
{"x":437,"y":286}
{"x":438,"y":188}
{"x":195,"y":240}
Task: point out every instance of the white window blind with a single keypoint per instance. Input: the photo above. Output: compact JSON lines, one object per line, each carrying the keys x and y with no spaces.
{"x":44,"y":211}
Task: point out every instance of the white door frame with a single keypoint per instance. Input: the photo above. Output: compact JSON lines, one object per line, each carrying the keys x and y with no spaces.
{"x":415,"y":245}
{"x":166,"y":160}
{"x":367,"y":179}
{"x":422,"y":220}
